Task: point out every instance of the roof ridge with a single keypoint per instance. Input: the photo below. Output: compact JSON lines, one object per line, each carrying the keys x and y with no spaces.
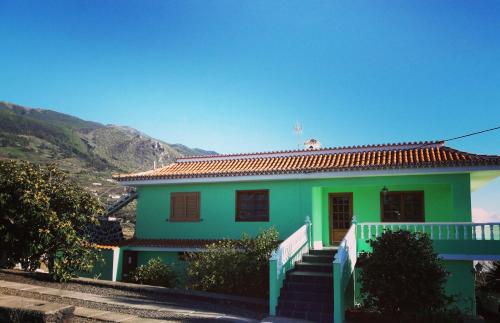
{"x":409,"y":145}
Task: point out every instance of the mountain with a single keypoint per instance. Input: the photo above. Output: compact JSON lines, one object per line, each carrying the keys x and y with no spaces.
{"x":44,"y":136}
{"x":88,"y":151}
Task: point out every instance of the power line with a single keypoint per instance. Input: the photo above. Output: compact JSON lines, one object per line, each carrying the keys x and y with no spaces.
{"x":463,"y":136}
{"x":472,"y":134}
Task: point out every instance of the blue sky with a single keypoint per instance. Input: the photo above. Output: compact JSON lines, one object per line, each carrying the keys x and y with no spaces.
{"x":234,"y":76}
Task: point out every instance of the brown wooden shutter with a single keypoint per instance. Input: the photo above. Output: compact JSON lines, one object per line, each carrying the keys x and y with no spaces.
{"x":185,"y":206}
{"x":192,"y":205}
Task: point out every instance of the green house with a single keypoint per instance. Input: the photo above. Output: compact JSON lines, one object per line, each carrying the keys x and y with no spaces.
{"x":325,"y":203}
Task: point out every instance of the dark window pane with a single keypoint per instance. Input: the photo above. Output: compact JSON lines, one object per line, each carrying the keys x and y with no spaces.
{"x":252,"y":205}
{"x":402,"y":206}
{"x":392,"y":207}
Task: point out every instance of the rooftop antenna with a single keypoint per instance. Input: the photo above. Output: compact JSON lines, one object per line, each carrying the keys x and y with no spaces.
{"x":297,"y":128}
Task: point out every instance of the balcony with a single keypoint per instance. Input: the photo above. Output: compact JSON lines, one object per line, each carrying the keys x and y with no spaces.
{"x":451,"y":240}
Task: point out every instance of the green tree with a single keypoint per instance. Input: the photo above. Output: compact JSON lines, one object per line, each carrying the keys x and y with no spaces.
{"x":403,"y":278}
{"x":43,"y":215}
{"x":235,"y":266}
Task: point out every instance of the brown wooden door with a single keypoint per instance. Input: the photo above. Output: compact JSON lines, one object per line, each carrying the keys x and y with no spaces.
{"x":340,"y":210}
{"x":129,"y":262}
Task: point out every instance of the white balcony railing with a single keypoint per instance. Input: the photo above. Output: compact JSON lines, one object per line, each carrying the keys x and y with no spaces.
{"x":435,"y":230}
{"x":284,"y":258}
{"x":343,"y":267}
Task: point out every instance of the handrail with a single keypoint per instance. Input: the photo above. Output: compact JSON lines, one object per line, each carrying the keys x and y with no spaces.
{"x":343,"y":267}
{"x":444,"y":222}
{"x":284,"y":258}
{"x":346,"y":248}
{"x":436,"y":230}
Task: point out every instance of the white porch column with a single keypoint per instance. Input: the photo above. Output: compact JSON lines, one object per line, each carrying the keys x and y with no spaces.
{"x":116,"y":259}
{"x":317,"y":217}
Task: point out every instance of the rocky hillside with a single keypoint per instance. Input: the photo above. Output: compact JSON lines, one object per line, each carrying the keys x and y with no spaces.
{"x":45,"y":136}
{"x":88,"y":150}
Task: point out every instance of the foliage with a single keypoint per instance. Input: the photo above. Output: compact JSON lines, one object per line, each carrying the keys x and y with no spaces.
{"x":43,"y":215}
{"x":156,"y":273}
{"x":491,"y":275}
{"x":53,"y":133}
{"x":234,"y":266}
{"x":403,"y":277}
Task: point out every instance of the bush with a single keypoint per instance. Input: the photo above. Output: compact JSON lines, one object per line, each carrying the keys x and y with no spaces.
{"x":492,"y":276}
{"x":234,"y":267}
{"x":403,"y":278}
{"x":154,"y":273}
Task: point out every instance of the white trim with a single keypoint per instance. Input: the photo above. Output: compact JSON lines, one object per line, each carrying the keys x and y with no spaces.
{"x":313,"y":175}
{"x":446,"y":256}
{"x":166,"y":249}
{"x":318,"y":245}
{"x":116,"y":258}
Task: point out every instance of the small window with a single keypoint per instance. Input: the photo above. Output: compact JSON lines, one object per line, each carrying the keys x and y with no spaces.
{"x":252,"y":205}
{"x":185,"y":206}
{"x":402,"y":206}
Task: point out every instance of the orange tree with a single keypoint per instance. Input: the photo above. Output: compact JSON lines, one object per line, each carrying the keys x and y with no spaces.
{"x":43,"y":215}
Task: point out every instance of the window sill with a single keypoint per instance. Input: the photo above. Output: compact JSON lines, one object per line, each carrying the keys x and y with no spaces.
{"x":256,"y":220}
{"x":183,"y":220}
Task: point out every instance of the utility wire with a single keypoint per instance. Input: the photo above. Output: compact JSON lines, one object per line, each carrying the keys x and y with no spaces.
{"x":472,"y":134}
{"x":463,"y":136}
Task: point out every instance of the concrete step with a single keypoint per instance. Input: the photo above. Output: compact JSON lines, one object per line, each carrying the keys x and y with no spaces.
{"x":34,"y":310}
{"x":295,"y":305}
{"x":317,"y":258}
{"x":310,"y":277}
{"x":310,"y":316}
{"x":308,"y":287}
{"x":314,"y":266}
{"x":324,"y":252}
{"x":299,"y":295}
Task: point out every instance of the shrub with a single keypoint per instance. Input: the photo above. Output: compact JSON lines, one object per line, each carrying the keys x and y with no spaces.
{"x":154,"y":273}
{"x":234,"y":267}
{"x":402,"y":278}
{"x":492,"y":276}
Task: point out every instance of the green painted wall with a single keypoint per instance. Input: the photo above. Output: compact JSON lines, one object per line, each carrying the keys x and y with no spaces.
{"x":447,"y":198}
{"x":461,"y":284}
{"x":166,"y":257}
{"x":102,"y":270}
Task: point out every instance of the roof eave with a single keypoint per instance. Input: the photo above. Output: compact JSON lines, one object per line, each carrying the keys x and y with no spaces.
{"x":309,"y":175}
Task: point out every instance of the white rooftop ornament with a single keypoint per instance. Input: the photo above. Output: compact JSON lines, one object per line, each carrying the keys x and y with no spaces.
{"x":312,"y":144}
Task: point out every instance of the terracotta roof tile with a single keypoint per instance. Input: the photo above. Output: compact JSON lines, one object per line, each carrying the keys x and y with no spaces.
{"x":375,"y":157}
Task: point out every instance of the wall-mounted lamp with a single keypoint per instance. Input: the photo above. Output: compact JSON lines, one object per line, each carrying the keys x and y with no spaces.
{"x":384,"y":192}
